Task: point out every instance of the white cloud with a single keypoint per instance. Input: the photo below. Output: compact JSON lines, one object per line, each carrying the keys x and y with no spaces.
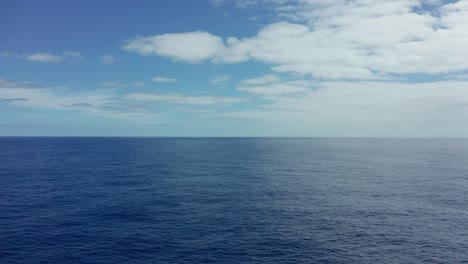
{"x":108,"y":59}
{"x":45,"y":57}
{"x":344,"y":108}
{"x":176,"y":98}
{"x":338,"y":39}
{"x":219,"y":80}
{"x":250,"y":3}
{"x":97,"y":102}
{"x":274,"y":89}
{"x":246,"y":3}
{"x":191,"y":47}
{"x":265,"y":79}
{"x":163,"y":79}
{"x":333,"y":108}
{"x":5,"y":84}
{"x":364,"y":39}
{"x":271,"y":85}
{"x":114,"y":84}
{"x":118,"y":84}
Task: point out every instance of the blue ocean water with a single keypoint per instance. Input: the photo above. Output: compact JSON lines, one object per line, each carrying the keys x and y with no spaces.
{"x":233,"y":200}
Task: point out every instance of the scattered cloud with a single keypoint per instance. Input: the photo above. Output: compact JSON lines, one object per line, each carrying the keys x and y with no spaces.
{"x":362,"y":108}
{"x":44,"y":57}
{"x":118,"y":84}
{"x":163,"y":79}
{"x":271,"y":85}
{"x":5,"y":84}
{"x":96,"y":102}
{"x":114,"y":84}
{"x":191,"y":47}
{"x":367,"y":40}
{"x":317,"y":106}
{"x":176,"y":98}
{"x":265,"y":79}
{"x":274,"y":89}
{"x":335,"y":65}
{"x":10,"y":100}
{"x":246,"y":3}
{"x":108,"y":59}
{"x":219,"y":80}
{"x":397,"y":101}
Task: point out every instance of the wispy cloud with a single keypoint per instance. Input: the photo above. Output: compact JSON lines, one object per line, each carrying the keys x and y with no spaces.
{"x":108,"y":59}
{"x":246,"y":3}
{"x":219,"y":80}
{"x":10,"y":100}
{"x":118,"y":84}
{"x":44,"y":57}
{"x":176,"y":98}
{"x":265,"y":79}
{"x":5,"y":84}
{"x":361,"y":108}
{"x":137,"y":84}
{"x":163,"y":79}
{"x":271,"y":85}
{"x":96,"y":102}
{"x":274,"y":89}
{"x":114,"y":84}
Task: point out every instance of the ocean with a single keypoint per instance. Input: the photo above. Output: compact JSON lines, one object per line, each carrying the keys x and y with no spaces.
{"x":233,"y":200}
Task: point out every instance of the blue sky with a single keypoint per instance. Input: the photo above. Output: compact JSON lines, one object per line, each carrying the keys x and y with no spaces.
{"x":234,"y":68}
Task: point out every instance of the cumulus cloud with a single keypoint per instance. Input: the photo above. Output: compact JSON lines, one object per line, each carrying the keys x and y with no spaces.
{"x":176,"y":98}
{"x":163,"y":79}
{"x":44,"y":57}
{"x":340,"y":39}
{"x":191,"y":47}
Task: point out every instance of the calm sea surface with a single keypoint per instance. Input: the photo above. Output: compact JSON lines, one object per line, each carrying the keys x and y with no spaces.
{"x":221,"y":200}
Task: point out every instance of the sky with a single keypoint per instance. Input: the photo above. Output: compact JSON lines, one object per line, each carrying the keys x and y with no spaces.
{"x":306,"y":68}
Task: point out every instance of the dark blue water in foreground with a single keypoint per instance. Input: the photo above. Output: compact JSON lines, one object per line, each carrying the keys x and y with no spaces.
{"x":156,"y":200}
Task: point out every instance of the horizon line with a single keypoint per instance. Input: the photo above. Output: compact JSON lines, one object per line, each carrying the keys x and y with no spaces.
{"x":240,"y":137}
